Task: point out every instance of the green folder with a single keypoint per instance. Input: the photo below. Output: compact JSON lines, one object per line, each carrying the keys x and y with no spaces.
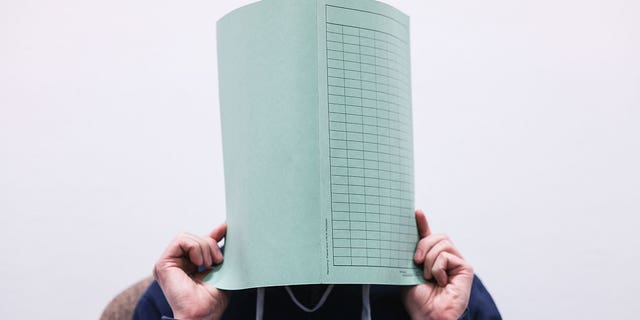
{"x":315,"y":102}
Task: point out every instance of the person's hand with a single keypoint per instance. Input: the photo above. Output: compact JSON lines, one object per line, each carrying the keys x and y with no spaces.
{"x":177,"y":273}
{"x":446,"y":293}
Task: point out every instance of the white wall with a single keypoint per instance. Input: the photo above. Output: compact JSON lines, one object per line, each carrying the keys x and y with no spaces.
{"x":527,"y":140}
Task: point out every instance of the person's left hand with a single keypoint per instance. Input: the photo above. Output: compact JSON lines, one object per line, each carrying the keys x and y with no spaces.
{"x":449,"y":277}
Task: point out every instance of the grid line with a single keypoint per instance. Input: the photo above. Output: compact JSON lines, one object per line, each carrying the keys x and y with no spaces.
{"x":370,"y":147}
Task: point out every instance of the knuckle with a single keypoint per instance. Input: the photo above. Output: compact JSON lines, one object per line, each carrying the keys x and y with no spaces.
{"x":182,"y":235}
{"x":431,"y":256}
{"x":436,"y":238}
{"x":447,"y":243}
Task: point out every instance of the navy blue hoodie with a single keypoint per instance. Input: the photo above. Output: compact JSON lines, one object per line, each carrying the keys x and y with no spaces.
{"x":343,"y":302}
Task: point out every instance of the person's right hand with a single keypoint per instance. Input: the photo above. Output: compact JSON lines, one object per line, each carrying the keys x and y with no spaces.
{"x":177,"y":273}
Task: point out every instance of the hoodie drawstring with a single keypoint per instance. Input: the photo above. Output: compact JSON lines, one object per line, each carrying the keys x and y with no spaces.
{"x":320,"y":303}
{"x":366,"y":307}
{"x":259,"y":303}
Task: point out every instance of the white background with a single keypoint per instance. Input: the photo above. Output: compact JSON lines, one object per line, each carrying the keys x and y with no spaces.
{"x":527,"y":146}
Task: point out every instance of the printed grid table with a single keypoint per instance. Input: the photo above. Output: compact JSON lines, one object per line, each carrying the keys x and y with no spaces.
{"x":371,"y":147}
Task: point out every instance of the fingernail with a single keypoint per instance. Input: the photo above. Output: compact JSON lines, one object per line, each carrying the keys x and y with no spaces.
{"x":417,"y":255}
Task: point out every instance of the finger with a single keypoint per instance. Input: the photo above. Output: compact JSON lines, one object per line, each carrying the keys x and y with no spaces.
{"x":175,"y":250}
{"x":205,"y":244}
{"x":191,"y":248}
{"x":423,"y":226}
{"x":216,"y":253}
{"x":439,"y":269}
{"x":424,"y":245}
{"x":451,"y":269}
{"x":194,"y":252}
{"x":437,"y":249}
{"x":199,"y":247}
{"x":429,"y":248}
{"x":219,"y":232}
{"x":183,"y":253}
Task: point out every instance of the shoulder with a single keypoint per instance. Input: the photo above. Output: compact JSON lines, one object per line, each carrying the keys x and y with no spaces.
{"x":152,"y":304}
{"x":481,"y":304}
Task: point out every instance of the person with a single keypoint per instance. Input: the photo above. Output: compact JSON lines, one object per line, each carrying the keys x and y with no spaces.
{"x":452,"y":291}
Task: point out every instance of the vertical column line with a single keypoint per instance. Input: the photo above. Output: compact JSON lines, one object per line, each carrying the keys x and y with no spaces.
{"x":375,"y":75}
{"x":344,"y":104}
{"x":364,"y":175}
